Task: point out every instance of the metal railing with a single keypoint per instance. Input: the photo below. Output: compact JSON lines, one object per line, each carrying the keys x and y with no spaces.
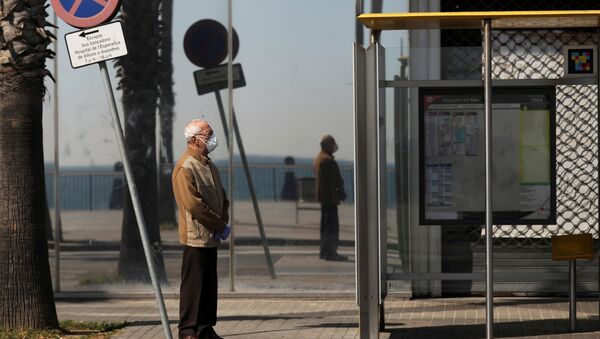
{"x":83,"y":190}
{"x":92,"y":190}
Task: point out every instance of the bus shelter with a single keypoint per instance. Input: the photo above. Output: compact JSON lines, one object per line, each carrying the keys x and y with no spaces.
{"x":471,"y":152}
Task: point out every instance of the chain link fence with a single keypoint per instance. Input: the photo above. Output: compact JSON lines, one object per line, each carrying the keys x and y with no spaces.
{"x":520,"y":54}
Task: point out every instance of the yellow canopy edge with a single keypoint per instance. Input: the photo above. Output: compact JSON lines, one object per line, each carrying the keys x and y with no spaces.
{"x":473,"y":20}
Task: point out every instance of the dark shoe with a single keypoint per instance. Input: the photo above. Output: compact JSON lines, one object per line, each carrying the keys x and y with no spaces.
{"x":204,"y":333}
{"x":208,"y":333}
{"x":214,"y":334}
{"x":336,"y":257}
{"x":189,"y":336}
{"x":324,"y":254}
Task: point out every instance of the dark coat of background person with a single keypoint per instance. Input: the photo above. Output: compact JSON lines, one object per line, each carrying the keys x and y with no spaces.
{"x":330,"y":191}
{"x":116,"y":194}
{"x":330,"y":185}
{"x":289,"y":191}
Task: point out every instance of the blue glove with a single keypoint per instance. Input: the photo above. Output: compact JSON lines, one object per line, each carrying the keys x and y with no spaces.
{"x":223,"y":235}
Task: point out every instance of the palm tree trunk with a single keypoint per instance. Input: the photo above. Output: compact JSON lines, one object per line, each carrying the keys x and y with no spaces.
{"x":139,"y":83}
{"x":166,"y":200}
{"x":26,"y":297}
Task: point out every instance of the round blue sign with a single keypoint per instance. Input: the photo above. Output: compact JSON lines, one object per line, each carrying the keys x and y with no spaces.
{"x":205,"y":43}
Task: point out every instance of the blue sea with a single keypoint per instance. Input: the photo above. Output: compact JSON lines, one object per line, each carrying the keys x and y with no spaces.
{"x":90,"y":188}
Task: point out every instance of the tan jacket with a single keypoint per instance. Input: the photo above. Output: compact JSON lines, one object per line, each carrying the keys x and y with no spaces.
{"x":330,"y":185}
{"x":201,"y":200}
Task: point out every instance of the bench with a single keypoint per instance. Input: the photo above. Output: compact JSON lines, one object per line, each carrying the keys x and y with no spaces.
{"x":307,"y":195}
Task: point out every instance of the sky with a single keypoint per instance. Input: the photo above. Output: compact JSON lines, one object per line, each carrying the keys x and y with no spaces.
{"x":297,"y":61}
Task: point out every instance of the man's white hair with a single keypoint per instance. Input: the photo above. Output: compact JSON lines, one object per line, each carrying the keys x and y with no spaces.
{"x":192,"y":128}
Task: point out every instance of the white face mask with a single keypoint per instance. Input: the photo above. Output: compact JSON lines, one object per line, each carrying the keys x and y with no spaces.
{"x":211,"y":144}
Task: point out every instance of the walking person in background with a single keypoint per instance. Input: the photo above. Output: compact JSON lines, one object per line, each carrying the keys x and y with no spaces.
{"x":203,"y":223}
{"x":289,"y":191}
{"x":116,"y":194}
{"x":330,"y":191}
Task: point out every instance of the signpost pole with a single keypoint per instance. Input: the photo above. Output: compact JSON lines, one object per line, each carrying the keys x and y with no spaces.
{"x":598,"y":144}
{"x":572,"y":295}
{"x":487,"y":79}
{"x":230,"y":141}
{"x":259,"y":221}
{"x":57,"y":225}
{"x":135,"y":200}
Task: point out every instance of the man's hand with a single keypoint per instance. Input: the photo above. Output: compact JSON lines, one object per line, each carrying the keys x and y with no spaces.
{"x":223,"y":235}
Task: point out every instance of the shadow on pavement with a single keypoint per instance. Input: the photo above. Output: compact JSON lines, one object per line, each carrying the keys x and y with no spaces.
{"x":450,"y":305}
{"x":150,"y":323}
{"x":501,"y":330}
{"x":332,"y":325}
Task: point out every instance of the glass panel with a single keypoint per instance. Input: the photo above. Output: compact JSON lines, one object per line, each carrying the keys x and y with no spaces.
{"x":95,"y":253}
{"x":318,"y":87}
{"x":211,"y":105}
{"x":444,"y":63}
{"x":523,"y":262}
{"x":299,"y":87}
{"x":418,"y":256}
{"x":522,"y":252}
{"x":90,"y":229}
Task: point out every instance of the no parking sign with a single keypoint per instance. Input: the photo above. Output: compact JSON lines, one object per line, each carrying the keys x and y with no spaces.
{"x":99,"y":42}
{"x":85,"y":13}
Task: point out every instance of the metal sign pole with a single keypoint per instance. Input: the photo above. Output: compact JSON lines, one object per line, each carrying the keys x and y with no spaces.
{"x":360,"y":8}
{"x":598,"y":144}
{"x":368,"y":70}
{"x":229,"y":137}
{"x":57,"y":225}
{"x":259,"y":221}
{"x":487,"y":79}
{"x":572,"y":295}
{"x":135,"y":199}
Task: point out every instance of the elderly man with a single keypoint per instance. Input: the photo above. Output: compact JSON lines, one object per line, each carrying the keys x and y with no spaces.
{"x":203,"y":217}
{"x":330,"y":191}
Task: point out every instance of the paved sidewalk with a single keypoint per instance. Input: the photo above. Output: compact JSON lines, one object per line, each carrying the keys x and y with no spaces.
{"x":338,"y":318}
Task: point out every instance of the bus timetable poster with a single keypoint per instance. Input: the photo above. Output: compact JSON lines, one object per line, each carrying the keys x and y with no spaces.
{"x":452,"y":158}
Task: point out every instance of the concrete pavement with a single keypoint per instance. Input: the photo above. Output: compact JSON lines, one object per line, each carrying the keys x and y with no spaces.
{"x":299,"y":271}
{"x":90,"y":252}
{"x":257,"y":317}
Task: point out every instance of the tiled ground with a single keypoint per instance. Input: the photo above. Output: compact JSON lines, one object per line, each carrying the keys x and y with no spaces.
{"x":338,"y":318}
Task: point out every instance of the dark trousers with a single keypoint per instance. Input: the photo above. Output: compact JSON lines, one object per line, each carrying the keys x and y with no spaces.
{"x":198,"y":291}
{"x":330,"y":230}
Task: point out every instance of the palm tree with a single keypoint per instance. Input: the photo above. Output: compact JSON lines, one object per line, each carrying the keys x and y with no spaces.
{"x":166,"y":113}
{"x":26,"y":297}
{"x":138,"y":72}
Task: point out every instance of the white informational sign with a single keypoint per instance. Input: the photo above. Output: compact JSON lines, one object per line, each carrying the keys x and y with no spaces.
{"x":96,"y":44}
{"x":535,"y":198}
{"x":452,"y":163}
{"x":438,"y":179}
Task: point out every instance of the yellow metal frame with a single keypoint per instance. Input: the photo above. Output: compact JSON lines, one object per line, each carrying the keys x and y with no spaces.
{"x":473,"y":20}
